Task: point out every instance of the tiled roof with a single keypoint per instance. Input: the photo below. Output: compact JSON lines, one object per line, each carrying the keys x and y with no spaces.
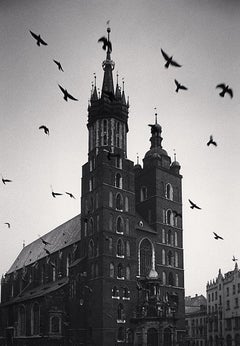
{"x":59,"y":238}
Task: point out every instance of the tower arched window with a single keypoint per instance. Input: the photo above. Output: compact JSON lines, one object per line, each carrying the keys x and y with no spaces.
{"x":22,"y":320}
{"x":127,"y":248}
{"x":143,"y":193}
{"x":169,"y":238}
{"x":118,"y":180}
{"x":53,"y":265}
{"x":169,"y":192}
{"x":110,"y":199}
{"x":128,"y":273}
{"x":111,"y":270}
{"x":120,"y":334}
{"x":170,"y":279}
{"x":127,"y":227}
{"x":120,"y":248}
{"x":163,"y":257}
{"x":176,"y":259}
{"x":176,"y":239}
{"x":164,"y":278}
{"x":92,"y":270}
{"x":120,"y":271}
{"x":118,"y":162}
{"x":145,"y":257}
{"x":119,"y":202}
{"x":170,"y":258}
{"x":119,"y":225}
{"x":177,"y":280}
{"x":120,"y":312}
{"x":110,"y":244}
{"x":91,"y":249}
{"x":163,"y":236}
{"x":35,"y":319}
{"x":126,"y":203}
{"x":90,"y":226}
{"x":169,"y":217}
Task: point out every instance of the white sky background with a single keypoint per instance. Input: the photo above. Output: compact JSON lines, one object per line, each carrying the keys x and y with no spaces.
{"x":203,"y":36}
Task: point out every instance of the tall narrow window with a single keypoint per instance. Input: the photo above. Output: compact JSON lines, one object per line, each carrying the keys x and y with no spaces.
{"x":177,"y":280}
{"x":119,"y":227}
{"x":176,"y":239}
{"x":170,"y":279}
{"x":169,"y":192}
{"x":96,"y":270}
{"x":143,"y":193}
{"x":110,"y":199}
{"x":164,"y":278}
{"x":145,"y":257}
{"x":91,"y":249}
{"x":110,"y":244}
{"x":120,"y":271}
{"x":22,"y":320}
{"x":126,"y":203}
{"x":163,"y":257}
{"x":111,"y":270}
{"x":120,"y":334}
{"x":120,"y":313}
{"x":119,"y":202}
{"x":118,"y":162}
{"x":90,"y":226}
{"x":35,"y":319}
{"x":118,"y":134}
{"x":118,"y":180}
{"x":176,"y":259}
{"x":169,"y":217}
{"x":170,"y":258}
{"x":127,"y":227}
{"x":163,"y":236}
{"x":120,"y":248}
{"x":127,"y":248}
{"x":128,"y":273}
{"x":68,"y":264}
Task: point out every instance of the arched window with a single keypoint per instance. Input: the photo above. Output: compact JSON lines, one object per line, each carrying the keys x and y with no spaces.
{"x":118,"y":162}
{"x":145,"y":257}
{"x":128,"y":273}
{"x":170,"y":279}
{"x":169,"y":192}
{"x":120,"y":334}
{"x":143,"y":193}
{"x":110,"y":199}
{"x":91,"y":249}
{"x":118,"y":180}
{"x":130,"y":337}
{"x":126,"y":204}
{"x":110,"y":243}
{"x":119,"y":202}
{"x":115,"y":292}
{"x":163,"y":257}
{"x":127,"y":248}
{"x":55,"y":325}
{"x":22,"y":320}
{"x":170,"y":258}
{"x":35,"y":319}
{"x":177,"y":280}
{"x":120,"y":271}
{"x":176,"y":239}
{"x":120,"y":312}
{"x":163,"y":236}
{"x":176,"y":259}
{"x":119,"y":228}
{"x":111,"y":270}
{"x":127,"y":227}
{"x":90,"y":226}
{"x":169,"y":217}
{"x":169,"y":237}
{"x":120,"y":248}
{"x":164,"y":278}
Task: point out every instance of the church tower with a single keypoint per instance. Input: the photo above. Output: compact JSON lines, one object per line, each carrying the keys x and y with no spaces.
{"x":108,"y":213}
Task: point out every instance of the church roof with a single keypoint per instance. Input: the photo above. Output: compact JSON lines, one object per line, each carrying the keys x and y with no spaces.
{"x":59,"y":238}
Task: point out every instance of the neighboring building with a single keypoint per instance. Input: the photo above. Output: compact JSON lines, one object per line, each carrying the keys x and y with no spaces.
{"x":114,"y":274}
{"x":223,"y":297}
{"x":196,"y":320}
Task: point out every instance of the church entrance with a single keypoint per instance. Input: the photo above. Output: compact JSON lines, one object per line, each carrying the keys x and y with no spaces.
{"x":152,"y":337}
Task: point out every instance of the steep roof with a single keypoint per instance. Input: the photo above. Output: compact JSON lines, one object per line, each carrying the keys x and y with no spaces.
{"x":59,"y":238}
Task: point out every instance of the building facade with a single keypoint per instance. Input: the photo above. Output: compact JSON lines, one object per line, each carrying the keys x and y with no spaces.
{"x":223,"y":297}
{"x":196,"y":320}
{"x":113,"y":275}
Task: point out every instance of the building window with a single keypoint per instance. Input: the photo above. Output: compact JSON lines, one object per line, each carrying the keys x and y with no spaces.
{"x":91,"y":249}
{"x":110,"y":199}
{"x":169,"y":192}
{"x":176,"y":239}
{"x":170,"y":258}
{"x":68,"y":264}
{"x":120,"y":334}
{"x":120,"y":271}
{"x":163,"y":236}
{"x":164,"y":278}
{"x":227,"y":291}
{"x":55,"y":325}
{"x":176,"y":259}
{"x":228,"y":305}
{"x":234,"y":289}
{"x":143,"y":193}
{"x":96,"y":269}
{"x":163,"y":257}
{"x":22,"y":320}
{"x":118,"y":162}
{"x":127,"y":248}
{"x":120,"y":248}
{"x":110,"y":243}
{"x":236,"y":303}
{"x":90,"y":226}
{"x":120,"y":313}
{"x":118,"y":180}
{"x":53,"y":265}
{"x":111,"y":270}
{"x":35,"y":319}
{"x":169,"y":217}
{"x":119,"y":202}
{"x":91,"y":182}
{"x":177,"y":280}
{"x":145,"y":257}
{"x":128,"y":273}
{"x":119,"y":228}
{"x":127,"y":227}
{"x":115,"y":292}
{"x":126,"y":204}
{"x":97,"y":225}
{"x":170,"y":279}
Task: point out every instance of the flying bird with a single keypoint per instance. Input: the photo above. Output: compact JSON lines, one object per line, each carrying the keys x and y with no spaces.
{"x":169,"y":60}
{"x":8,"y":224}
{"x":211,"y":141}
{"x":45,"y":129}
{"x":216,"y":236}
{"x":225,"y":89}
{"x":66,"y":94}
{"x":106,"y":43}
{"x":70,"y":194}
{"x":234,"y":259}
{"x":38,"y":39}
{"x":6,"y":180}
{"x":193,"y":205}
{"x":179,"y":86}
{"x":59,"y":65}
{"x":54,"y":194}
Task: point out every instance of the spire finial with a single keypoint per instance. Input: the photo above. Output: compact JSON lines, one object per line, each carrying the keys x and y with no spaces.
{"x":117,"y":77}
{"x":175,"y":155}
{"x":95,"y":78}
{"x":108,"y":29}
{"x":123,"y":84}
{"x":137,"y":159}
{"x":155,"y":115}
{"x":99,"y":93}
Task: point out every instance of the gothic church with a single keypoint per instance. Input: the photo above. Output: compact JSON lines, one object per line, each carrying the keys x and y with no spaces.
{"x":112,"y":275}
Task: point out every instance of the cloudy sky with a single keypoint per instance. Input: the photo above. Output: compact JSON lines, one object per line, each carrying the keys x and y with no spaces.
{"x":202,"y":35}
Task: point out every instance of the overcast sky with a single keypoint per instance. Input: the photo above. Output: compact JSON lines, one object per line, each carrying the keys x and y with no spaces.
{"x":203,"y":36}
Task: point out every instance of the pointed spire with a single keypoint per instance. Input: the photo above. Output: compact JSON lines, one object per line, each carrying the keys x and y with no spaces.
{"x":118,"y":90}
{"x":94,"y":95}
{"x":108,"y":66}
{"x":123,"y":94}
{"x":156,"y":131}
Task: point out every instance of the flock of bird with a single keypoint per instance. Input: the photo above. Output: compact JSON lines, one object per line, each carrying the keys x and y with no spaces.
{"x":225,"y":89}
{"x":169,"y":61}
